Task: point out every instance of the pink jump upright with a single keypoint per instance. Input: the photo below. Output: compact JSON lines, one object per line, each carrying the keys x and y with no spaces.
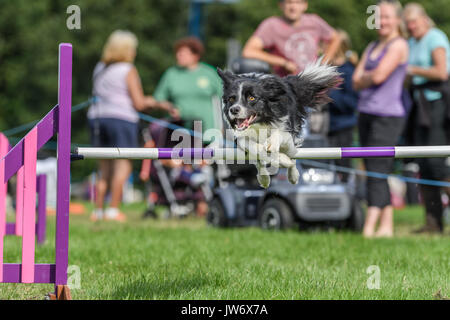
{"x":15,"y":228}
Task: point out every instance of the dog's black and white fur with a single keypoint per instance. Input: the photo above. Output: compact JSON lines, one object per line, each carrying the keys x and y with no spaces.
{"x":252,"y":102}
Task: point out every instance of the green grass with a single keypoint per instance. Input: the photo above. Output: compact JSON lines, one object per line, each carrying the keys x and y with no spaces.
{"x":185,"y":259}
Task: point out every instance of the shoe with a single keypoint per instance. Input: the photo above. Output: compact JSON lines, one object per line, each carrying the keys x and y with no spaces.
{"x":149,"y":214}
{"x":120,"y":217}
{"x":96,"y":215}
{"x":113,"y":214}
{"x":427,"y":229}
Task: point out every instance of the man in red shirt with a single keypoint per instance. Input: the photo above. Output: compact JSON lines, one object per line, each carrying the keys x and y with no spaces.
{"x":291,"y":41}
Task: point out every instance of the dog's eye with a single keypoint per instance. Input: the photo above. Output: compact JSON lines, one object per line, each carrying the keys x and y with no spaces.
{"x":231,"y":99}
{"x":251,"y":98}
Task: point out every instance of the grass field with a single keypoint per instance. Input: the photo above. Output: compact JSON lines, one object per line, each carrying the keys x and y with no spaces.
{"x":185,"y":259}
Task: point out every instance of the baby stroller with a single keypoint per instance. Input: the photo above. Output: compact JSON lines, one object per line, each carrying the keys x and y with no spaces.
{"x":175,"y":185}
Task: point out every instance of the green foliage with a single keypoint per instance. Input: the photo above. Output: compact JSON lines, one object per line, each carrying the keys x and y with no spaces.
{"x":31,"y":30}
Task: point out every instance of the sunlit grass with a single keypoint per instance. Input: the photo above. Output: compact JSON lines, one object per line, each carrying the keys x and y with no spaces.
{"x":185,"y":259}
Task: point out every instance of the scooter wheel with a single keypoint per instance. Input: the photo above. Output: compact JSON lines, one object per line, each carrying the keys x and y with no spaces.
{"x":216,"y":215}
{"x":276,"y":215}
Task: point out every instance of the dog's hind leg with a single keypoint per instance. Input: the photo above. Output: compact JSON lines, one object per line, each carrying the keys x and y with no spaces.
{"x":290,"y":150}
{"x":293,"y":175}
{"x":281,"y":147}
{"x":285,"y":161}
{"x":272,"y":146}
{"x":263,"y":175}
{"x":256,"y":151}
{"x":291,"y":165}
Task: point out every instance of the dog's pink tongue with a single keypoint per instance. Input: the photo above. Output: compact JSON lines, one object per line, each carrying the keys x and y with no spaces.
{"x":244,"y":124}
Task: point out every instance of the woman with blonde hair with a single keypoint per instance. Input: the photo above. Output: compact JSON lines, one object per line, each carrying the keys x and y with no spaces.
{"x":429,"y":67}
{"x":379,"y":76}
{"x":113,"y":117}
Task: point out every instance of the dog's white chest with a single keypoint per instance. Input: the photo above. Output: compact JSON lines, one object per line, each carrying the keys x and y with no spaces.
{"x":261,"y":133}
{"x":256,"y":132}
{"x":272,"y":147}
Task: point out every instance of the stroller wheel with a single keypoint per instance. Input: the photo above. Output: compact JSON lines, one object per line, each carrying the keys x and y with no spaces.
{"x":149,"y":214}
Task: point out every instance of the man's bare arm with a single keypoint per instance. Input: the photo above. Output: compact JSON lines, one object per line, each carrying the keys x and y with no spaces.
{"x":332,"y":48}
{"x":254,"y":49}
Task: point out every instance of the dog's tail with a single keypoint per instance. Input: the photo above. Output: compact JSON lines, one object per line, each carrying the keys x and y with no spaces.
{"x":313,"y":84}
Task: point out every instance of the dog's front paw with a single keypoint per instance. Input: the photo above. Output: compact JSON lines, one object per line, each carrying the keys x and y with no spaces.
{"x":293,"y":175}
{"x":264,"y":180}
{"x":285,"y":161}
{"x":267,"y":146}
{"x":271,"y":146}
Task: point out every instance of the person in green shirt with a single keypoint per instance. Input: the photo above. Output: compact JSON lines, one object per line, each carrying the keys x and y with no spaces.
{"x":192,"y":86}
{"x":195,"y":89}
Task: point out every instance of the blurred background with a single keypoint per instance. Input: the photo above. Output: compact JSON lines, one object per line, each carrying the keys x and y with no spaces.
{"x":30,"y":30}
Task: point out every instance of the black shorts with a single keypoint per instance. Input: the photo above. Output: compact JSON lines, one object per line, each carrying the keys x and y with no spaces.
{"x":109,"y":132}
{"x":342,"y":138}
{"x":435,"y":135}
{"x":376,"y":131}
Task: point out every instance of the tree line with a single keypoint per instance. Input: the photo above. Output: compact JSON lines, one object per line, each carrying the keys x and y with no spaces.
{"x":31,"y":30}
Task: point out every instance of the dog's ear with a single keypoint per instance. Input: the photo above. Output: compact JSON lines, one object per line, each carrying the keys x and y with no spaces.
{"x":226,"y":76}
{"x":313,"y":85}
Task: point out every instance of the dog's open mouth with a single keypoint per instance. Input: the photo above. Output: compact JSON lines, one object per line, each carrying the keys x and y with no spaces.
{"x":242,"y":124}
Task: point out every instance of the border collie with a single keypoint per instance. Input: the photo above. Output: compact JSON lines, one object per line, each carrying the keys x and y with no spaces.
{"x":267,"y":113}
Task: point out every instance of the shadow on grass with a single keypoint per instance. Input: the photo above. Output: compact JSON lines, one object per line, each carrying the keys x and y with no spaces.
{"x":160,"y":288}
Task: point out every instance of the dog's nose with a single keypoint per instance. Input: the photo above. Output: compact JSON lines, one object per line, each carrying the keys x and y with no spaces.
{"x":235,"y":110}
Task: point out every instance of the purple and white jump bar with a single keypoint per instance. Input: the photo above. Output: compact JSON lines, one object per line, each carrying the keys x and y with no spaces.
{"x":231,"y":154}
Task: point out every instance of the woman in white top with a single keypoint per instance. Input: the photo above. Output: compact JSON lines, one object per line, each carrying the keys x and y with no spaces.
{"x":113,"y":118}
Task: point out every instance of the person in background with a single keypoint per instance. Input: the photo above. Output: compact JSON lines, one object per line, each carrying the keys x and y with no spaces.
{"x":429,"y":69}
{"x":380,"y":76}
{"x":113,"y":118}
{"x":192,"y":86}
{"x":196,"y":90}
{"x":342,"y":109}
{"x":290,"y":42}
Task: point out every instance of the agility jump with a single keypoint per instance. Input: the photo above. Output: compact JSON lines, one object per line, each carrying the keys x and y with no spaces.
{"x":231,"y":154}
{"x":23,"y":157}
{"x":16,"y":228}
